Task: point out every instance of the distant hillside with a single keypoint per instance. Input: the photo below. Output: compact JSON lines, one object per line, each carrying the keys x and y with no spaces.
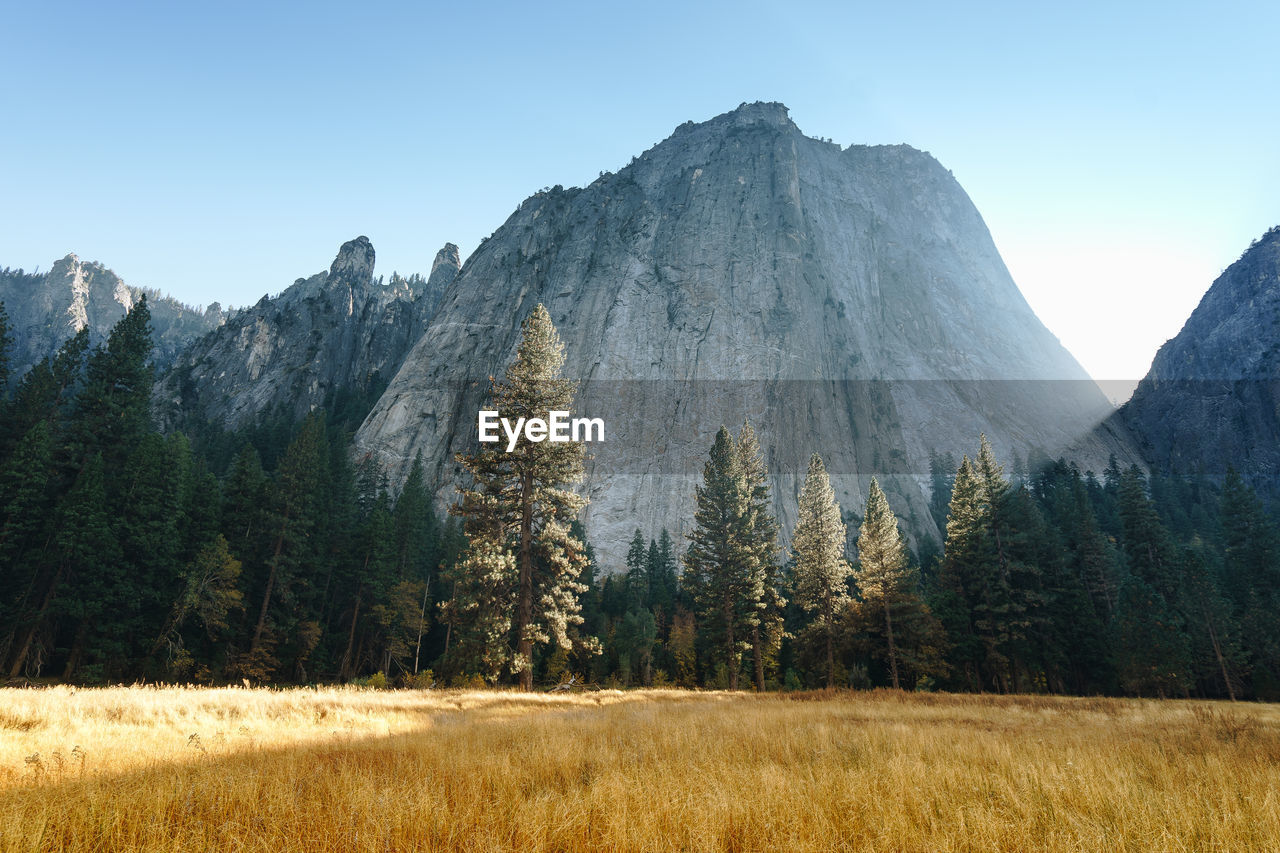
{"x":47,"y":309}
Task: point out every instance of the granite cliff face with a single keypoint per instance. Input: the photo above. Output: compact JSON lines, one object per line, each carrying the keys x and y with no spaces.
{"x":47,"y":309}
{"x":339,"y":330}
{"x":848,"y":302}
{"x":1212,"y":396}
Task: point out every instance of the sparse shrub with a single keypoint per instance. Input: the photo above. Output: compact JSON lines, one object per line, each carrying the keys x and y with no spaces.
{"x":468,"y":681}
{"x":424,"y":680}
{"x":377,"y":681}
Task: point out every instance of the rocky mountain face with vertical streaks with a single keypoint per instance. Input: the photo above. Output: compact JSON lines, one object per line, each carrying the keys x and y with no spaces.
{"x":1212,"y":396}
{"x":48,"y":308}
{"x":339,"y":331}
{"x":847,"y":301}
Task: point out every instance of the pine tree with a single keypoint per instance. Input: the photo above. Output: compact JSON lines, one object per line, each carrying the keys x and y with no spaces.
{"x":660,"y":565}
{"x":244,"y":499}
{"x":637,"y":577}
{"x":883,"y":575}
{"x":26,"y":501}
{"x":822,"y":573}
{"x":372,"y":581}
{"x":990,"y":596}
{"x":1217,"y":654}
{"x":113,"y":409}
{"x":292,"y":514}
{"x":1155,"y":656}
{"x":209,"y":592}
{"x":88,"y":553}
{"x":766,"y":630}
{"x":963,"y":597}
{"x":723,"y":557}
{"x":417,"y":538}
{"x":522,"y":566}
{"x":46,"y":391}
{"x":1251,"y":578}
{"x":942,"y":473}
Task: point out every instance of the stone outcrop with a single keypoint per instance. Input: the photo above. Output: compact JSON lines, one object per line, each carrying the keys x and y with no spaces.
{"x":337,"y":331}
{"x":46,"y":309}
{"x":847,"y":301}
{"x":1212,"y":396}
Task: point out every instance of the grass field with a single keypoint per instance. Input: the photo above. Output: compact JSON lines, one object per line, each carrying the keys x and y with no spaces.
{"x":331,"y":769}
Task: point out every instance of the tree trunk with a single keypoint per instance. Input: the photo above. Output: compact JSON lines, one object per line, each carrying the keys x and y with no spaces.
{"x":271,"y":584}
{"x":77,"y":650}
{"x":831,"y":657}
{"x":524,"y":613}
{"x":828,"y":616}
{"x":20,"y":661}
{"x":758,"y":653}
{"x":893,"y":650}
{"x":1217,"y":651}
{"x":422,"y":625}
{"x":344,"y":670}
{"x":176,"y":617}
{"x":730,"y":642}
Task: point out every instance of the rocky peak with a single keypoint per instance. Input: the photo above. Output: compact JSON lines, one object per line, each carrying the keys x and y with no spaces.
{"x":448,"y":258}
{"x":758,"y":112}
{"x":47,"y":309}
{"x":332,"y":332}
{"x":847,"y":301}
{"x":354,"y":263}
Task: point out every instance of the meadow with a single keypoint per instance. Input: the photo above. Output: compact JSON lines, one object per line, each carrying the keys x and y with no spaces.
{"x":175,"y":769}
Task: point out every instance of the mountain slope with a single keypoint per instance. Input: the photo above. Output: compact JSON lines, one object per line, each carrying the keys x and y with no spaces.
{"x":1212,"y":396}
{"x":338,"y":330}
{"x":848,"y":302}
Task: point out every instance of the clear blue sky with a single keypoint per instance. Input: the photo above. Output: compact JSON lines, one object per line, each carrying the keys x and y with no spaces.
{"x":1122,"y":154}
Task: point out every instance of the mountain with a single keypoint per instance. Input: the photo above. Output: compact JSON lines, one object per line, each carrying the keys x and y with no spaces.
{"x":1212,"y":396}
{"x":337,"y":331}
{"x":46,"y":309}
{"x":848,"y":301}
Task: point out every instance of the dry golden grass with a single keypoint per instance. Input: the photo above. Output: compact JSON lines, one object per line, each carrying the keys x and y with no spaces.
{"x":653,"y":770}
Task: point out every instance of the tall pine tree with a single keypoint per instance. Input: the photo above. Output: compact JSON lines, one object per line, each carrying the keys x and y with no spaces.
{"x":822,"y":573}
{"x":522,"y":568}
{"x":723,"y":556}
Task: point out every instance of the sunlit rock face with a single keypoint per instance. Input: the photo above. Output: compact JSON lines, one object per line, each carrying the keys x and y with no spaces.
{"x":48,"y":308}
{"x":1212,"y":397}
{"x":846,"y":301}
{"x":339,"y":331}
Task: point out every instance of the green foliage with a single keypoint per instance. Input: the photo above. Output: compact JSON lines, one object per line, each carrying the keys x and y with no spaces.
{"x":517,"y":588}
{"x":822,"y":574}
{"x":723,"y":556}
{"x":267,"y":554}
{"x":891,"y":604}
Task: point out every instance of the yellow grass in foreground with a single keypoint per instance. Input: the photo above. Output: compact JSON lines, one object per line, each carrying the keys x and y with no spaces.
{"x":191,"y":769}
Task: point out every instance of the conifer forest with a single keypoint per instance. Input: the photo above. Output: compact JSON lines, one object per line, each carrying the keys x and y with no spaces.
{"x":272,"y":555}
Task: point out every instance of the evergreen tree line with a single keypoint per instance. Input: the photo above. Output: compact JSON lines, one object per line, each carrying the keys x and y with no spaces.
{"x":1052,"y":582}
{"x":268,"y":554}
{"x":126,"y":554}
{"x":1059,"y":583}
